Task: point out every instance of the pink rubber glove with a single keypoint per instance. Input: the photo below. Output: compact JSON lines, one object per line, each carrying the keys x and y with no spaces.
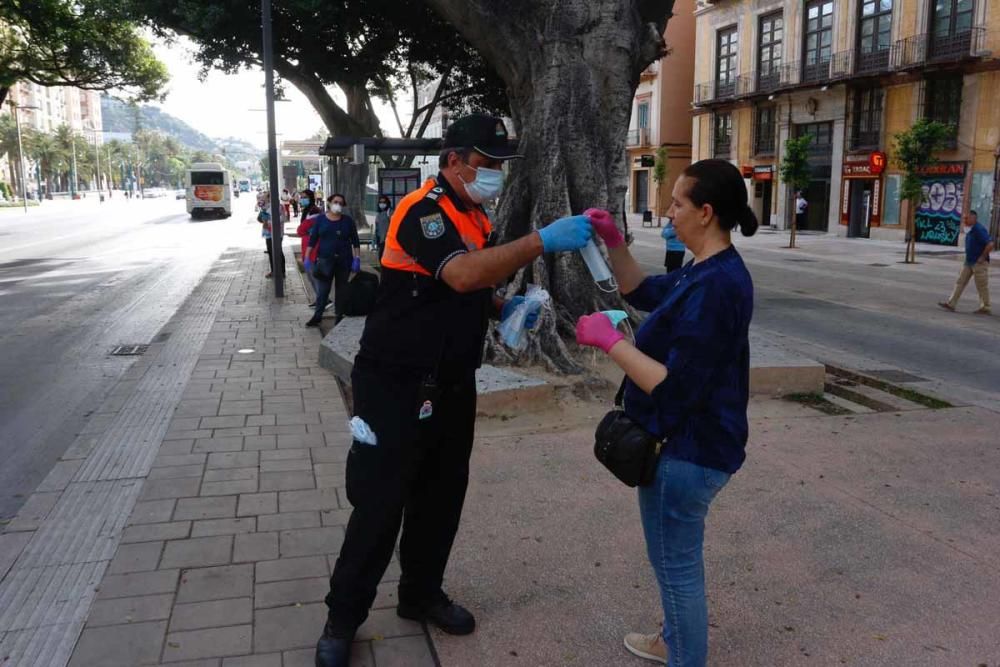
{"x":597,"y":331}
{"x":604,"y":225}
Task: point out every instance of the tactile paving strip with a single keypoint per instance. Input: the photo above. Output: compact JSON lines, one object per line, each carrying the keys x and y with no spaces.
{"x":46,"y":596}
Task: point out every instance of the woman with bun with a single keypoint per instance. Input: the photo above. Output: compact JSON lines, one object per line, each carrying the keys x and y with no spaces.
{"x":687,"y":382}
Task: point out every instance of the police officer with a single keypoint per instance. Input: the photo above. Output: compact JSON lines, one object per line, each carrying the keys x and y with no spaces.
{"x":414,"y":383}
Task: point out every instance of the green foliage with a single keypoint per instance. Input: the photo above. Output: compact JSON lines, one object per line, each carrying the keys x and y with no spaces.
{"x":5,"y":191}
{"x":117,"y":116}
{"x":914,"y":149}
{"x":795,"y":164}
{"x":373,"y":48}
{"x":662,"y":165}
{"x":82,"y":43}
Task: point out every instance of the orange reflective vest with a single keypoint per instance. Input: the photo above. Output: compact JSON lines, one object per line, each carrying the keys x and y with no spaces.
{"x":473,"y":226}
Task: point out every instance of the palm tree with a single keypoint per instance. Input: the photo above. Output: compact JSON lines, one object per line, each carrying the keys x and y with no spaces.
{"x":50,"y":155}
{"x":8,"y":147}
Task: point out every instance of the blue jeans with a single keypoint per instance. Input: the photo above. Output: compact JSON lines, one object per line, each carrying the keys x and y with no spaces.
{"x":673,"y":510}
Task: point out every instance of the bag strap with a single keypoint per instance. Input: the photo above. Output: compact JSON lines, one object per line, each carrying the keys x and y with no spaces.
{"x":620,"y":395}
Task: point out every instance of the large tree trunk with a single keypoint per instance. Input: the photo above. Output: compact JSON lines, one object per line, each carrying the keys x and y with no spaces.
{"x":572,"y":67}
{"x":4,"y":90}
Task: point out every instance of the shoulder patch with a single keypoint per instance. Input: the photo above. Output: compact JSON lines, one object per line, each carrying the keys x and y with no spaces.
{"x":434,"y":194}
{"x":432,"y":226}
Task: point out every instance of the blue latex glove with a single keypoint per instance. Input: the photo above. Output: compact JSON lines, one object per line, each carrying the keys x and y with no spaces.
{"x":307,"y":265}
{"x":356,"y":265}
{"x":566,"y":234}
{"x":509,"y":306}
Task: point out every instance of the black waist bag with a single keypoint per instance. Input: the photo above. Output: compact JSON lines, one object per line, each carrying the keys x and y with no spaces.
{"x":629,"y":451}
{"x":361,"y":292}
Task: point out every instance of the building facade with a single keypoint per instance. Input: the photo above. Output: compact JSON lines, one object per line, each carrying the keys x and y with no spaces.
{"x":660,"y":115}
{"x":852,"y":73}
{"x":46,"y":109}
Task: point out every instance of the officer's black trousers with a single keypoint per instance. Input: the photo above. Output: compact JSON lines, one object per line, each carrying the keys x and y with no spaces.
{"x":415,"y":476}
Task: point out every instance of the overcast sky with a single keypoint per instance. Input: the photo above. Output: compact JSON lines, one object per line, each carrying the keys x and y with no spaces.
{"x":224,"y":105}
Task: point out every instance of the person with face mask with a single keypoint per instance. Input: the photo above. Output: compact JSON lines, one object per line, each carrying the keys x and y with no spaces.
{"x":414,"y":382}
{"x":382,"y":223}
{"x":307,"y":204}
{"x":335,"y":251}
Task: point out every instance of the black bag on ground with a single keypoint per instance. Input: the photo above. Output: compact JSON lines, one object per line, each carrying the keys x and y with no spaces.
{"x":360,"y":296}
{"x":629,"y":451}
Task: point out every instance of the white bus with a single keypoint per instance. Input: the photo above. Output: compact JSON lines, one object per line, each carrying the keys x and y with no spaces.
{"x":243,"y":184}
{"x":208,"y":190}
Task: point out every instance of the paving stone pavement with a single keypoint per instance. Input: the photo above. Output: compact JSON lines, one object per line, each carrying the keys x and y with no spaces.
{"x":231,"y":536}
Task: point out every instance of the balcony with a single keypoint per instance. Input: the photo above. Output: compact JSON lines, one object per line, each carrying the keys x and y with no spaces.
{"x":716,"y":91}
{"x":872,"y":63}
{"x":637,"y":137}
{"x":924,"y":49}
{"x":649,"y":73}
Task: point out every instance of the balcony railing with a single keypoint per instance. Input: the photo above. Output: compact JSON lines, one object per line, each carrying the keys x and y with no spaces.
{"x":932,"y":49}
{"x":909,"y":53}
{"x":875,"y":62}
{"x":637,"y":137}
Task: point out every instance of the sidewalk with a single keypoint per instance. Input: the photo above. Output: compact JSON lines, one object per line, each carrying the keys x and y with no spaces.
{"x":197,"y":519}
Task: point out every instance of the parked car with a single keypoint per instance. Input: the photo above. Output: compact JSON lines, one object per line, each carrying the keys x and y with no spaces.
{"x":152,"y":193}
{"x":180,"y":193}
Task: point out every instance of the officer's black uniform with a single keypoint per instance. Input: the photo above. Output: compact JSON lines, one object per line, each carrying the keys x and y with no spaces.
{"x":423,"y":342}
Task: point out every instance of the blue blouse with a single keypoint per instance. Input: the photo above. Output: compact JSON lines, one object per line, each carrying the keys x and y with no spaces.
{"x":698,"y":327}
{"x":336,"y":238}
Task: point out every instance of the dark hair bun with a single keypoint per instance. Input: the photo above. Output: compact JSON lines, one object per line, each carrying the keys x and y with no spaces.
{"x":747,"y":221}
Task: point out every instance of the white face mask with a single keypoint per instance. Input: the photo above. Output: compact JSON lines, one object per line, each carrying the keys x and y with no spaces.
{"x":382,"y":207}
{"x":486,"y":186}
{"x":335,"y":207}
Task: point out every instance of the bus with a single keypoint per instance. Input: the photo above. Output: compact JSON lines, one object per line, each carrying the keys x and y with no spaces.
{"x":208,"y":190}
{"x":243,"y":184}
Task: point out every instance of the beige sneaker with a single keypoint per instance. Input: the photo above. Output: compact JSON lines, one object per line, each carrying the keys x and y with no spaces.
{"x":947,"y":306}
{"x":983,"y":311}
{"x":650,"y":647}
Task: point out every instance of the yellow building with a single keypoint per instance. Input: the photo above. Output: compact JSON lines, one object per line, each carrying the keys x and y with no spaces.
{"x":852,"y":73}
{"x":661,"y":113}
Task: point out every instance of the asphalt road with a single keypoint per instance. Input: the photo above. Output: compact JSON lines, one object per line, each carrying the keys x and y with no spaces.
{"x":77,"y":279}
{"x":857,"y":297}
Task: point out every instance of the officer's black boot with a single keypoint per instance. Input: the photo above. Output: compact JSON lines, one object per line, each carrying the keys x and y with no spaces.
{"x":332,"y":651}
{"x":442,"y":612}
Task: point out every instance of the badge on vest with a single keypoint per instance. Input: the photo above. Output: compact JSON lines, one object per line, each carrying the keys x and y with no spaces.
{"x":432,"y":226}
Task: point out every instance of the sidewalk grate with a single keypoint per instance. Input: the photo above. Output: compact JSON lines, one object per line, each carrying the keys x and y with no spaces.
{"x":129,"y":350}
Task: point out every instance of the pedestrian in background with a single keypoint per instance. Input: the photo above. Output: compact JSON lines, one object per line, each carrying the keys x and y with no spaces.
{"x":687,"y":384}
{"x":264,"y":218}
{"x":978,"y":246}
{"x":310,"y":212}
{"x":382,"y":218}
{"x":335,"y":250}
{"x":675,"y":248}
{"x":801,"y":205}
{"x":286,"y":206}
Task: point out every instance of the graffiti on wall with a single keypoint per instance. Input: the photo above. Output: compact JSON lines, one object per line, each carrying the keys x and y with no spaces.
{"x":939,"y":216}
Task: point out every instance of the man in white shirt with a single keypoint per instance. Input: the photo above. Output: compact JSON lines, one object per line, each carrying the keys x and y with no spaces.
{"x":800,"y":210}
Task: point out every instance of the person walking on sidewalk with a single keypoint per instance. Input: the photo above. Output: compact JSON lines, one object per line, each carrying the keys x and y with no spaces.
{"x":382,"y":223}
{"x":978,"y":246}
{"x":675,"y":248}
{"x":414,"y":383}
{"x":335,"y":250}
{"x":687,"y":383}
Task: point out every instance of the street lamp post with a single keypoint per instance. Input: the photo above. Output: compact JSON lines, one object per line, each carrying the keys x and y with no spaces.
{"x":72,"y":184}
{"x":20,"y":153}
{"x":277,"y":228}
{"x":97,"y":152}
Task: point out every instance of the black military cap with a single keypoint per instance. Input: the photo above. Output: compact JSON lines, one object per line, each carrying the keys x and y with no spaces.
{"x":485,"y":134}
